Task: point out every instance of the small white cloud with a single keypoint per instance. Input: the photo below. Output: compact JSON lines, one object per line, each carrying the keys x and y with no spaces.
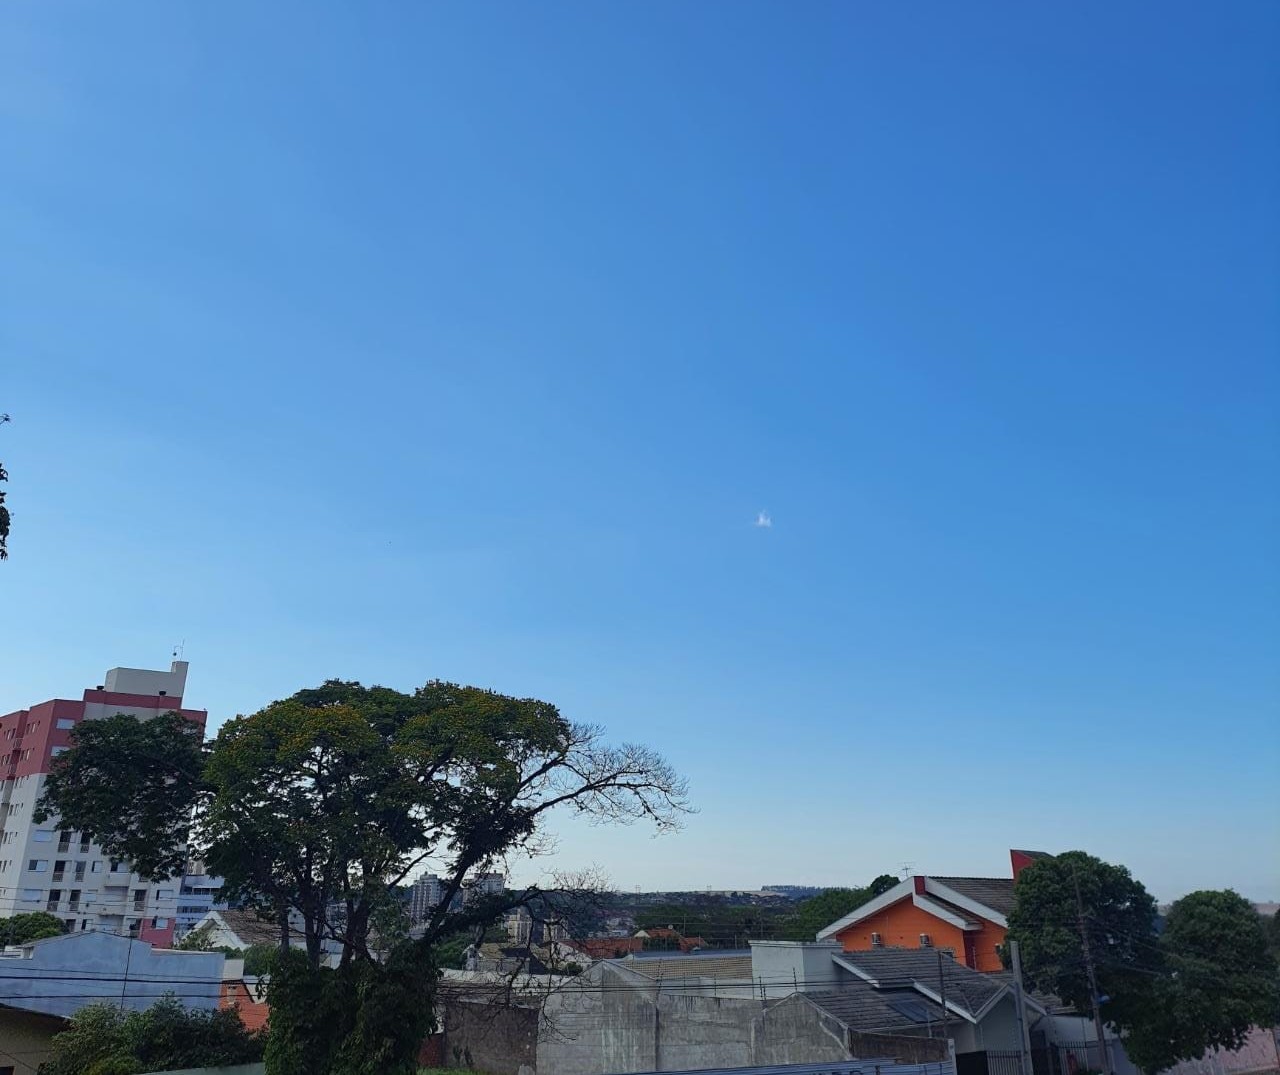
{"x":764,"y":520}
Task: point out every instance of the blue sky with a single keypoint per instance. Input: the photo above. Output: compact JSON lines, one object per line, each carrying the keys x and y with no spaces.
{"x":400,"y":341}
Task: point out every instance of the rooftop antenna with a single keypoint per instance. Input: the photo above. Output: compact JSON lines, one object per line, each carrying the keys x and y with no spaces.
{"x":906,"y":869}
{"x":179,"y":648}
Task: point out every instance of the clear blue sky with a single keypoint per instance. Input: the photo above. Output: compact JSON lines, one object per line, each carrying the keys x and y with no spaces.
{"x":401,"y":340}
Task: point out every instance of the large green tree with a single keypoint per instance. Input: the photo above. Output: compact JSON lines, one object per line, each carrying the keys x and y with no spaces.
{"x":25,"y":928}
{"x":316,"y":808}
{"x":1218,"y":981}
{"x":1074,"y":910}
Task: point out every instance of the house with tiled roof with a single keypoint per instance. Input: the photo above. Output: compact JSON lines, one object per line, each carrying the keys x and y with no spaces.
{"x":917,"y":993}
{"x":967,"y":916}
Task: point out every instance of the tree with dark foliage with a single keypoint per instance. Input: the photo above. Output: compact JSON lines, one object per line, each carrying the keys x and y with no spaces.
{"x":25,"y":928}
{"x":103,"y":1040}
{"x":1219,"y":982}
{"x":318,"y":807}
{"x":1202,"y":983}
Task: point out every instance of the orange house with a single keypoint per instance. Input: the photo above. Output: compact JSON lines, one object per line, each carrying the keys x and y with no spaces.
{"x":966,"y":915}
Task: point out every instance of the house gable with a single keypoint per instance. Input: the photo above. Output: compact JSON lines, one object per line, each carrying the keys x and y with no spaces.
{"x":924,"y":912}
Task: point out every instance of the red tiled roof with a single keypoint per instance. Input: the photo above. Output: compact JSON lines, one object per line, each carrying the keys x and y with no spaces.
{"x":609,"y":947}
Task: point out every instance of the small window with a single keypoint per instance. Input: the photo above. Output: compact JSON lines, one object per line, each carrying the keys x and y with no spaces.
{"x":38,"y":865}
{"x":877,"y":941}
{"x":43,"y":836}
{"x":30,"y":895}
{"x":926,"y":941}
{"x":165,"y":894}
{"x":65,"y":724}
{"x":57,"y":751}
{"x":160,"y":923}
{"x":96,"y":867}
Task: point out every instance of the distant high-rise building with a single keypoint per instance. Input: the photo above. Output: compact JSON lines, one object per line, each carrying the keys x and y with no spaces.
{"x":45,"y":867}
{"x":424,"y":897}
{"x":484,"y":884}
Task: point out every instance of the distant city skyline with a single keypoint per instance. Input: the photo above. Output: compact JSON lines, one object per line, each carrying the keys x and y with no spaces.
{"x":872,"y":408}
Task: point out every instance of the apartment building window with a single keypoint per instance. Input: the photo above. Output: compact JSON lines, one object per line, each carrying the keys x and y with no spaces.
{"x":30,"y":895}
{"x":115,"y":866}
{"x":38,"y":865}
{"x":64,"y":841}
{"x":58,"y":750}
{"x":55,"y":894}
{"x":43,"y":836}
{"x":84,"y":843}
{"x":70,"y":923}
{"x":96,"y":867}
{"x":59,"y":868}
{"x":80,"y":865}
{"x":139,"y":898}
{"x":73,"y":901}
{"x":65,"y":724}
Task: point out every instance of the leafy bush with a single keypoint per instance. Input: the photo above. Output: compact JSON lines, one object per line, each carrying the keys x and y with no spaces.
{"x":24,"y":928}
{"x":103,"y":1040}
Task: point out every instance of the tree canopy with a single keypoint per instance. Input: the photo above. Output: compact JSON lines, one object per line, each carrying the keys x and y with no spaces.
{"x":316,"y":808}
{"x":1202,"y":982}
{"x":1219,"y":980}
{"x":35,"y":926}
{"x":102,"y":1040}
{"x":1066,"y":899}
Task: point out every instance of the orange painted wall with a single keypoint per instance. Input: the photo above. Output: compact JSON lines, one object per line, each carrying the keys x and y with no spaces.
{"x":901,"y":924}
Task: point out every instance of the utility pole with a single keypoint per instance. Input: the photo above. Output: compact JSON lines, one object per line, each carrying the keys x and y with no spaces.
{"x":942,"y":992}
{"x":1024,"y":1034}
{"x":1104,"y":1055}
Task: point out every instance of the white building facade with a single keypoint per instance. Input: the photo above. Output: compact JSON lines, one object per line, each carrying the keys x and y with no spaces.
{"x":44,"y":867}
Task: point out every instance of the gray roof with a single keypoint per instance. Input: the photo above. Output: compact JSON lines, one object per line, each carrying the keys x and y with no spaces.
{"x":860,"y":1006}
{"x":902,"y":968}
{"x":1050,"y":1002}
{"x":735,"y":968}
{"x":993,"y":892}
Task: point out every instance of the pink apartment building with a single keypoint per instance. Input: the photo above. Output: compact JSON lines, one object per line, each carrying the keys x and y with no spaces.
{"x":47,"y":868}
